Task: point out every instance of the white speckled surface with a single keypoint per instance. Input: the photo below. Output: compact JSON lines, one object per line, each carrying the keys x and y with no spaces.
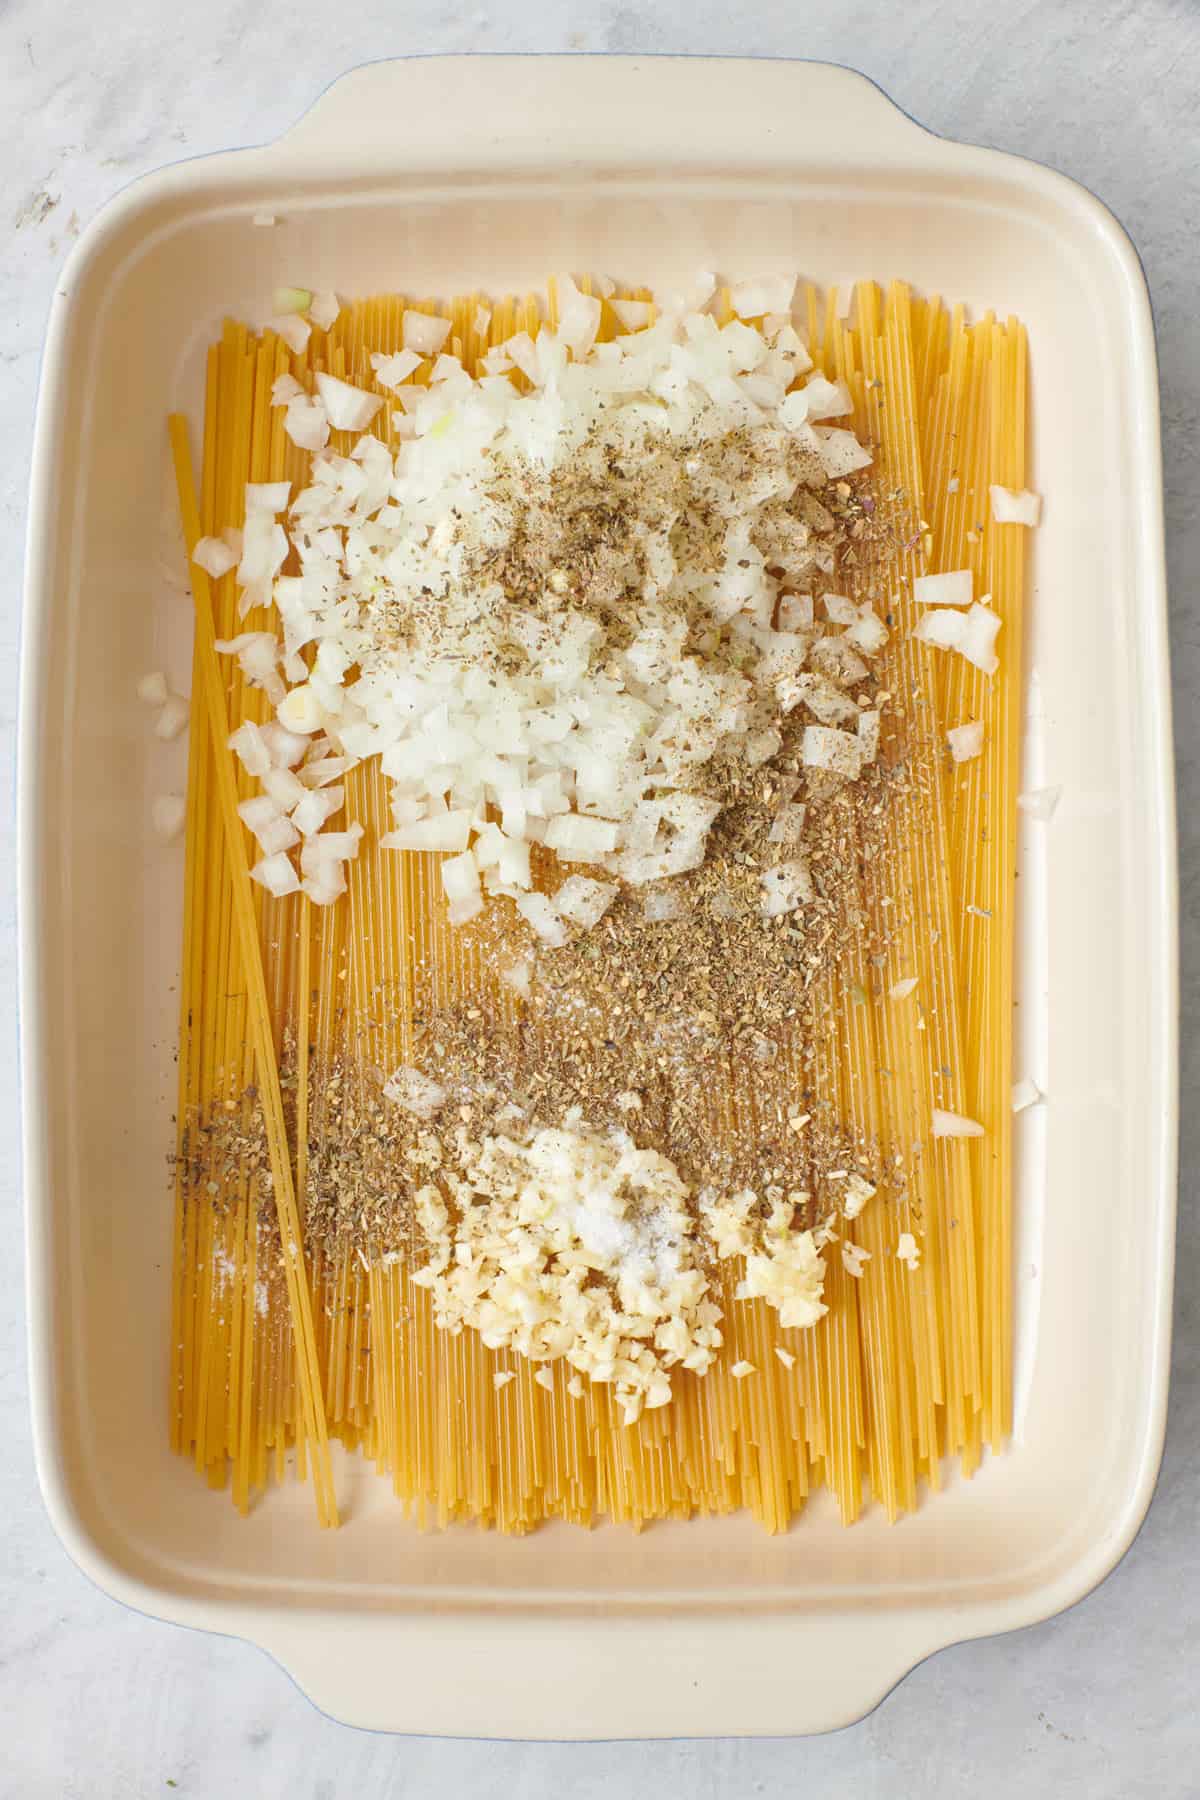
{"x":95,"y":1702}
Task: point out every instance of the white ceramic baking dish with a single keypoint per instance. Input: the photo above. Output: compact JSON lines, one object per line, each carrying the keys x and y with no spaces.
{"x":434,"y":176}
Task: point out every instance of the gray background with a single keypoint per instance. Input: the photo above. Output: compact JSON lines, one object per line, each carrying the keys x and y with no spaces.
{"x":96,"y":1702}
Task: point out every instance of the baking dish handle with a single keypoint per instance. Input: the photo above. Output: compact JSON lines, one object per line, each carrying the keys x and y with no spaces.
{"x":684,"y":1675}
{"x":775,"y":114}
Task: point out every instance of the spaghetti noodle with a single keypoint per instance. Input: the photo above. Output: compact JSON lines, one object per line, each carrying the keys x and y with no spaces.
{"x":282,"y":1341}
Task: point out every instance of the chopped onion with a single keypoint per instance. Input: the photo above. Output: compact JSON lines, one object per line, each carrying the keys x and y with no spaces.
{"x":1041,"y":803}
{"x":324,"y":310}
{"x":824,"y":399}
{"x":769,"y":294}
{"x":955,"y":588}
{"x":945,"y":629}
{"x":824,"y":747}
{"x":1025,"y":1093}
{"x":348,"y":408}
{"x":317,"y":808}
{"x":284,"y":389}
{"x":172,"y":717}
{"x":661,"y":905}
{"x":294,"y":331}
{"x":214,"y":556}
{"x":575,"y":838}
{"x":450,"y":831}
{"x":966,"y":741}
{"x":153,"y":688}
{"x":517,"y":976}
{"x":285,"y":788}
{"x":306,"y":423}
{"x":1009,"y":508}
{"x":424,"y":333}
{"x":868,"y":735}
{"x":584,"y":901}
{"x":277,"y":874}
{"x":788,"y":825}
{"x":954,"y":1125}
{"x":393,"y":371}
{"x":274,"y":831}
{"x":900,"y":990}
{"x":285,"y":749}
{"x":292,"y":300}
{"x":460,"y":877}
{"x":785,"y":887}
{"x":267,"y":496}
{"x":542,"y":916}
{"x":634,"y":315}
{"x":414,"y":1092}
{"x":168,"y":813}
{"x":252,"y":747}
{"x":840,"y":452}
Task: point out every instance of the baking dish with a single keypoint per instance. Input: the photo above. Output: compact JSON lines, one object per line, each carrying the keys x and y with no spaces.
{"x":708,"y":1627}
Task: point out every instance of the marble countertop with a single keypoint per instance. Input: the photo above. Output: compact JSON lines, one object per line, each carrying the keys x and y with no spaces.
{"x":97,"y":1702}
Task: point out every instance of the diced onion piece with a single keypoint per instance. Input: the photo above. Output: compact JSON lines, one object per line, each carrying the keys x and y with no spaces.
{"x":868,"y":735}
{"x":172,"y":717}
{"x":277,"y":874}
{"x":267,"y":496}
{"x":633,"y":314}
{"x":517,"y":976}
{"x":825,"y":399}
{"x":955,"y":588}
{"x":168,"y":813}
{"x":285,"y":788}
{"x":274,"y":831}
{"x":253,"y":750}
{"x":285,"y":748}
{"x":907,"y":1251}
{"x":324,"y":310}
{"x":795,"y":612}
{"x":825,"y":747}
{"x":393,"y":371}
{"x":448,"y":831}
{"x":900,"y":990}
{"x":787,"y":826}
{"x":945,"y":629}
{"x":966,"y":741}
{"x":954,"y":1125}
{"x":348,"y":408}
{"x":214,"y":556}
{"x":785,"y":887}
{"x":460,"y":877}
{"x":294,"y":331}
{"x":1009,"y":508}
{"x":840,"y":452}
{"x":868,"y":633}
{"x":415,"y":1092}
{"x":284,"y":389}
{"x":979,"y":638}
{"x":340,"y":846}
{"x":577,"y":838}
{"x":306,"y":423}
{"x":542,"y":917}
{"x":1040,"y":803}
{"x":153,"y":688}
{"x":584,"y":901}
{"x":661,"y":905}
{"x":839,"y":609}
{"x":292,"y":300}
{"x":769,"y":294}
{"x":317,"y":808}
{"x":1025,"y":1093}
{"x":424,"y":333}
